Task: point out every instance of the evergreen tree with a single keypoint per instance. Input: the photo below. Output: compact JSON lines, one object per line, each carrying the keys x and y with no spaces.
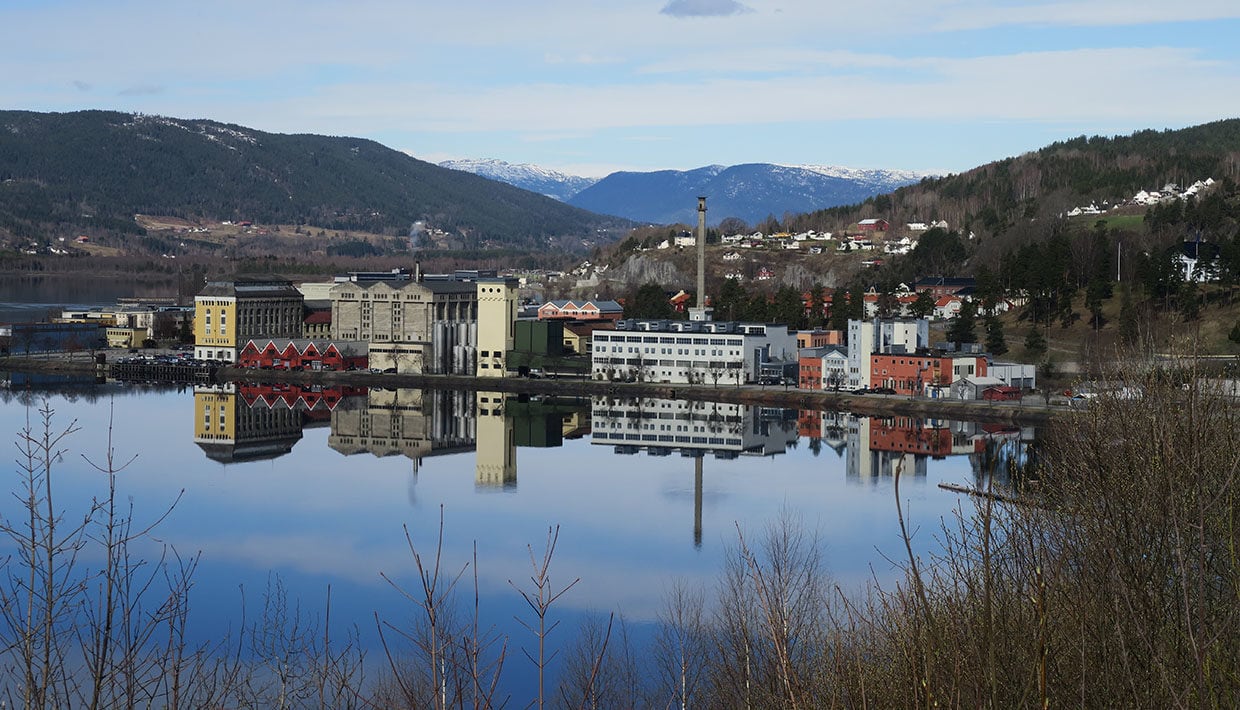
{"x":1035,"y":342}
{"x":650,"y":302}
{"x":963,"y":327}
{"x":840,"y":311}
{"x":856,"y":302}
{"x":1066,"y":312}
{"x":757,"y":309}
{"x":923,"y":307}
{"x":996,"y":343}
{"x":1189,"y":301}
{"x":1095,"y":292}
{"x":732,"y":300}
{"x":788,"y":308}
{"x":888,"y":304}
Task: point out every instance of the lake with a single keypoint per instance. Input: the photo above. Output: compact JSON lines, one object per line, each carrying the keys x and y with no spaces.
{"x":317,"y":488}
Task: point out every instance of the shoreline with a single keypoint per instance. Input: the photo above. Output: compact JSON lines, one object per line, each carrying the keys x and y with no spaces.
{"x":754,"y":395}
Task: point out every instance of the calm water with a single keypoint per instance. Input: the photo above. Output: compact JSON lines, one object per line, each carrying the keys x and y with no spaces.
{"x":25,"y":298}
{"x":318,"y":487}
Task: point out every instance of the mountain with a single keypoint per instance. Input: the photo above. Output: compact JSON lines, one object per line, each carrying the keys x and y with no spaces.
{"x":750,"y":192}
{"x":552,"y":183}
{"x":94,"y":170}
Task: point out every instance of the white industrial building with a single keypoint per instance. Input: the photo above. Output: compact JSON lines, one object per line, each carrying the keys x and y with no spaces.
{"x":682,"y":352}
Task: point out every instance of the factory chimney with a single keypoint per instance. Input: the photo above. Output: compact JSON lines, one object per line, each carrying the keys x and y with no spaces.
{"x":701,"y":311}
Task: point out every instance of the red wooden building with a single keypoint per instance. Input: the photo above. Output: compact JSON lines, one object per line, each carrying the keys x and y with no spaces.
{"x":287,"y":354}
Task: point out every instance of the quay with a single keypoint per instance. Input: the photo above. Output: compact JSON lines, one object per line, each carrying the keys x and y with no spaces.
{"x":756,"y":395}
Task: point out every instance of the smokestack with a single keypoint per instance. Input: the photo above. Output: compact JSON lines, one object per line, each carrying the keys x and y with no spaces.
{"x":701,"y":253}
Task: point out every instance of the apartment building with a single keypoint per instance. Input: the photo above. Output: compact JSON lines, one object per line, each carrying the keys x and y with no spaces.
{"x":867,"y":337}
{"x":230,"y":313}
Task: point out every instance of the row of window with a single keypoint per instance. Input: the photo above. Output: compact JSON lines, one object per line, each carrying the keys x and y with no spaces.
{"x":666,"y":339}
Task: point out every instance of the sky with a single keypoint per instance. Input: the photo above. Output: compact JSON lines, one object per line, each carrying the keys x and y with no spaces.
{"x":593,"y":86}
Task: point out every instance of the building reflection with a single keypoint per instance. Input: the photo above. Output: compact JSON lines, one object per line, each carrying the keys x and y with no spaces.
{"x":496,"y":458}
{"x":243,"y":422}
{"x":229,"y":429}
{"x":877,"y":448}
{"x":247,"y":422}
{"x":404,"y":422}
{"x":661,"y":427}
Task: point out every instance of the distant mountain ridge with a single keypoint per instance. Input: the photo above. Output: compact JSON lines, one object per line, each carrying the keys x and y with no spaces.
{"x":552,"y":183}
{"x":750,"y":192}
{"x":94,"y":170}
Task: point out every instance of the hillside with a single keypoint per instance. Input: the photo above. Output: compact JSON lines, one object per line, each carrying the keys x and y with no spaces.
{"x":1010,"y":194}
{"x":92,"y":171}
{"x":750,"y":192}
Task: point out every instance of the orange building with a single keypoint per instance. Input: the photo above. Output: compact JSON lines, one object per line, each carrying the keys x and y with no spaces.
{"x":819,"y":338}
{"x":912,"y":374}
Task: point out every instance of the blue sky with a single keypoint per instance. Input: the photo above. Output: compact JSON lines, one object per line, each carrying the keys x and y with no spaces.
{"x":592,"y":86}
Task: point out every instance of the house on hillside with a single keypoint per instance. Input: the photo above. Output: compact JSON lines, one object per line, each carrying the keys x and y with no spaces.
{"x":1198,"y":261}
{"x":873,"y":225}
{"x":947,"y":307}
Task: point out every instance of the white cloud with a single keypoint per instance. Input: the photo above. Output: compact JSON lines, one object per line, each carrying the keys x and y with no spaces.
{"x":704,"y":8}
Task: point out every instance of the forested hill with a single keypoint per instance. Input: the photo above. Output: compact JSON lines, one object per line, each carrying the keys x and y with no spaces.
{"x":1043,"y":184}
{"x":99,"y":169}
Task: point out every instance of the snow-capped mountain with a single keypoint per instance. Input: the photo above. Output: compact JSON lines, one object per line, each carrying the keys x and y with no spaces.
{"x":544,"y":181}
{"x":881,"y":176}
{"x":750,"y":192}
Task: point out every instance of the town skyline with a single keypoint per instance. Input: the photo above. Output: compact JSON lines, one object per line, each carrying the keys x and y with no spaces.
{"x":590,"y":89}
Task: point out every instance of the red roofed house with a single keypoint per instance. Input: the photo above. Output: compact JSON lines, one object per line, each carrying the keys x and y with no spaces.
{"x":580,"y":310}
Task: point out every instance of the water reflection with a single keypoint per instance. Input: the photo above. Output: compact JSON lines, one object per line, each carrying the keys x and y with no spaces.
{"x":238,"y":423}
{"x":246,"y":422}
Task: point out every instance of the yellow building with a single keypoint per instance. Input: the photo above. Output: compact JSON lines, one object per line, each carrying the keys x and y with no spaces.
{"x":125,"y":337}
{"x":497,"y":315}
{"x":229,"y":313}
